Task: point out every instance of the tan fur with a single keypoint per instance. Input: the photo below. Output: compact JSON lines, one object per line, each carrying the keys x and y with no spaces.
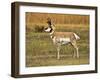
{"x":65,"y":35}
{"x":60,"y":38}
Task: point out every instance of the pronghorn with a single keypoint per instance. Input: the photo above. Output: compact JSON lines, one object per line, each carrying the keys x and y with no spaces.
{"x":61,"y":38}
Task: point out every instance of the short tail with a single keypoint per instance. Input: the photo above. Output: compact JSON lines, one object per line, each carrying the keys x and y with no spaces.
{"x":76,"y":36}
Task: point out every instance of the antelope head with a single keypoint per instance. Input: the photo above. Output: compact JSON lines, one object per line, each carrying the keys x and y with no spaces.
{"x":50,"y":29}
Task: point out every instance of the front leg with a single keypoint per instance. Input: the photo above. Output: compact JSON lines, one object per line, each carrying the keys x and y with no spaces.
{"x":58,"y":56}
{"x":58,"y":50}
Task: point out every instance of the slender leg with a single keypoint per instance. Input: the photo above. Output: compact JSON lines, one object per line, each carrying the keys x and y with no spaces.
{"x":74,"y":53}
{"x":58,"y":56}
{"x":76,"y":49}
{"x":58,"y":49}
{"x":77,"y":53}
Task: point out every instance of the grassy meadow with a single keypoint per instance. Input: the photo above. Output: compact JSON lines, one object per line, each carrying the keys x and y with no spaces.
{"x":40,"y":50}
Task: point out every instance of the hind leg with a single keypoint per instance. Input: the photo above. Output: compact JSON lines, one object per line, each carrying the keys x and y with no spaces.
{"x":76,"y":53}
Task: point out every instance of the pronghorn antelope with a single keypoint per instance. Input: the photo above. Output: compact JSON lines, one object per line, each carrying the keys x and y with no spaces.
{"x":61,"y":38}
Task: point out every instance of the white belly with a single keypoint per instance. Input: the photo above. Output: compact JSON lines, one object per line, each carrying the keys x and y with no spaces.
{"x":63,"y":40}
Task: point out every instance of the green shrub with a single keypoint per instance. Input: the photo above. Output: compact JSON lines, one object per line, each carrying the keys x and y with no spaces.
{"x":39,"y":28}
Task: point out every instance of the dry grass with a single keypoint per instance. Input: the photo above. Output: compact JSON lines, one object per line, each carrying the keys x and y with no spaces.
{"x":40,"y":50}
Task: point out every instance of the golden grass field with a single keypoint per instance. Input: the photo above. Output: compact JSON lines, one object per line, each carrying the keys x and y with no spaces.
{"x":40,"y":50}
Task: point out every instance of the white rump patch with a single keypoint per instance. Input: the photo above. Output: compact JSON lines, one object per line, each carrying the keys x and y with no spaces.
{"x":76,"y":36}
